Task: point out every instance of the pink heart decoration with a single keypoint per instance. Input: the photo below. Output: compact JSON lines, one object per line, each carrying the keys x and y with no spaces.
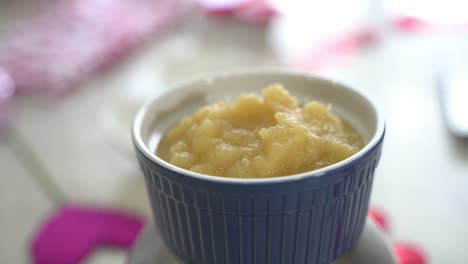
{"x":409,"y":254}
{"x":73,"y":232}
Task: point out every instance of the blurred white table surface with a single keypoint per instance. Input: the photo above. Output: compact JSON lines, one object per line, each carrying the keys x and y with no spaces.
{"x":83,"y":140}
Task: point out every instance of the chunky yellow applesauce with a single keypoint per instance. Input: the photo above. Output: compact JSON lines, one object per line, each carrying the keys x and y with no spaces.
{"x":259,"y":136}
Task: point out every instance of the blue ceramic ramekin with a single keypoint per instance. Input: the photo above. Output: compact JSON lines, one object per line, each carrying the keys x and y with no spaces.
{"x":312,"y":217}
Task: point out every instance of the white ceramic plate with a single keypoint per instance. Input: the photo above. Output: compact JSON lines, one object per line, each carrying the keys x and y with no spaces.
{"x":372,"y":248}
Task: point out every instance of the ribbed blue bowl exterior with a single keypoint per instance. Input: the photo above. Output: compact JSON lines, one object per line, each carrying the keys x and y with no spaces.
{"x":311,"y":220}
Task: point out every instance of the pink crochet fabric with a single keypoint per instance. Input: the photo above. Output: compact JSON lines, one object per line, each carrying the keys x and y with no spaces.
{"x":69,"y":40}
{"x":250,"y":11}
{"x":413,"y":24}
{"x":336,"y":51}
{"x":7,"y":89}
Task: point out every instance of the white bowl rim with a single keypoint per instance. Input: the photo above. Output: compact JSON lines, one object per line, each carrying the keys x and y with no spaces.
{"x":141,"y":113}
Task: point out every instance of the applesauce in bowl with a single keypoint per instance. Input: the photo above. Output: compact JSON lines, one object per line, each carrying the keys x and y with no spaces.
{"x":260,"y":136}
